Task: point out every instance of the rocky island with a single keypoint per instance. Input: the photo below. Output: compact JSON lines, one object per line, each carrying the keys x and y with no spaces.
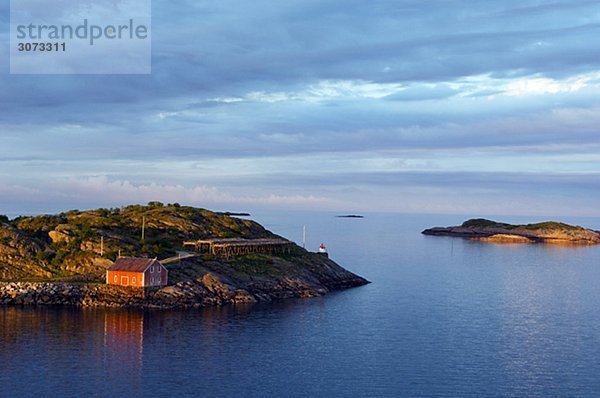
{"x":545,"y":232}
{"x":63,"y":258}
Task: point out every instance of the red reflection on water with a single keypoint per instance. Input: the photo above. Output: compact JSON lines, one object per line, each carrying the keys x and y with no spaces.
{"x":124,"y":345}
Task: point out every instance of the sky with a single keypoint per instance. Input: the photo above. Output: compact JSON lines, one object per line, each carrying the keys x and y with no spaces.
{"x":411,"y":106}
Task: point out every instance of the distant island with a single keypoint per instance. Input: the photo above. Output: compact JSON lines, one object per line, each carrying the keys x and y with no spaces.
{"x":350,"y":216}
{"x":497,"y":232}
{"x":63,"y":259}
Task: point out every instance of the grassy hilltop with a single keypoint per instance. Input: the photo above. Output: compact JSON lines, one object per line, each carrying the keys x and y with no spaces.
{"x":542,"y":226}
{"x":68,"y":245}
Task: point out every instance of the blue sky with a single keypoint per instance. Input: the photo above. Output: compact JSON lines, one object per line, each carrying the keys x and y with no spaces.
{"x":479,"y":107}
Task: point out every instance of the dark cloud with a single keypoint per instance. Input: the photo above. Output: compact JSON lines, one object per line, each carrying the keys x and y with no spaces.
{"x":322,"y":79}
{"x":231,"y":47}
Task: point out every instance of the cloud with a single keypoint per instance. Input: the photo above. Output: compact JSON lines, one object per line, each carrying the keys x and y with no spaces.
{"x":305,"y":41}
{"x":88,"y":190}
{"x":325,"y":90}
{"x":424,"y":92}
{"x":537,"y":86}
{"x":16,"y":192}
{"x":296,"y":102}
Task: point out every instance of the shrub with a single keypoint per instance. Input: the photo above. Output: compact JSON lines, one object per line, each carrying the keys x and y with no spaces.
{"x":483,"y":223}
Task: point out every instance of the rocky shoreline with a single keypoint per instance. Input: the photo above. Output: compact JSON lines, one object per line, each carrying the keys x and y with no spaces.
{"x":494,"y":232}
{"x":209,"y":290}
{"x":71,"y":251}
{"x":198,"y":282}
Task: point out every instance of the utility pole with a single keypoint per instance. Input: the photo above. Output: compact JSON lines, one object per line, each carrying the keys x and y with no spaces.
{"x":143,"y":226}
{"x":304,"y":237}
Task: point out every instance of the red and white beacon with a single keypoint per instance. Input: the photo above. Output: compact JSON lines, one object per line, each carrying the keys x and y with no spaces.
{"x":323,"y":250}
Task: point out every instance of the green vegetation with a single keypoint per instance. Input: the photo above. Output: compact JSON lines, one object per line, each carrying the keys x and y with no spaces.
{"x":552,"y":225}
{"x":546,"y":226}
{"x":483,"y":223}
{"x":82,"y":243}
{"x":255,"y":264}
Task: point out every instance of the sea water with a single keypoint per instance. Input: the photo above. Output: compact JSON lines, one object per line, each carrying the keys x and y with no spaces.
{"x":442,"y":317}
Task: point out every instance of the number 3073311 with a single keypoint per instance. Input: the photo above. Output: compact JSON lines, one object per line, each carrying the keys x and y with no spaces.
{"x":42,"y":47}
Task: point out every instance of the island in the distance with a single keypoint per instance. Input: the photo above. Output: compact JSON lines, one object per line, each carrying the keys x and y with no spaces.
{"x":545,"y":232}
{"x":63,"y":259}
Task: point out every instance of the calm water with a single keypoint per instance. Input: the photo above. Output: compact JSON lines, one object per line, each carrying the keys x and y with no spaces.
{"x":443,"y":317}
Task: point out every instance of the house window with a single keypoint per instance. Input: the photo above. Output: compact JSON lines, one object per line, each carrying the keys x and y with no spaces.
{"x":133,"y":280}
{"x":153,"y":281}
{"x":159,"y":279}
{"x":152,"y":269}
{"x":115,"y":278}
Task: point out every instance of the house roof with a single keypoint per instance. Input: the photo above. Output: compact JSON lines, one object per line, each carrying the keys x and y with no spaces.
{"x":129,"y":264}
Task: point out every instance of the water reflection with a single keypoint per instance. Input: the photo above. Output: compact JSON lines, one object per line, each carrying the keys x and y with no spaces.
{"x":442,"y":318}
{"x":58,"y":342}
{"x":123,"y":350}
{"x":114,"y":349}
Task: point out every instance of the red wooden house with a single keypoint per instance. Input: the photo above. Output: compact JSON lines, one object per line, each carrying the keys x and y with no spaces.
{"x":139,"y":272}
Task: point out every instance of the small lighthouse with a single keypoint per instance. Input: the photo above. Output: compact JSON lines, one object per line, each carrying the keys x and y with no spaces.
{"x":323,"y":251}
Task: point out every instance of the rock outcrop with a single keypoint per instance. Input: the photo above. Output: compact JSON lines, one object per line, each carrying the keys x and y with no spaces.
{"x":65,"y":257}
{"x":546,"y":232}
{"x":75,"y":245}
{"x":506,"y":238}
{"x":209,"y":286}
